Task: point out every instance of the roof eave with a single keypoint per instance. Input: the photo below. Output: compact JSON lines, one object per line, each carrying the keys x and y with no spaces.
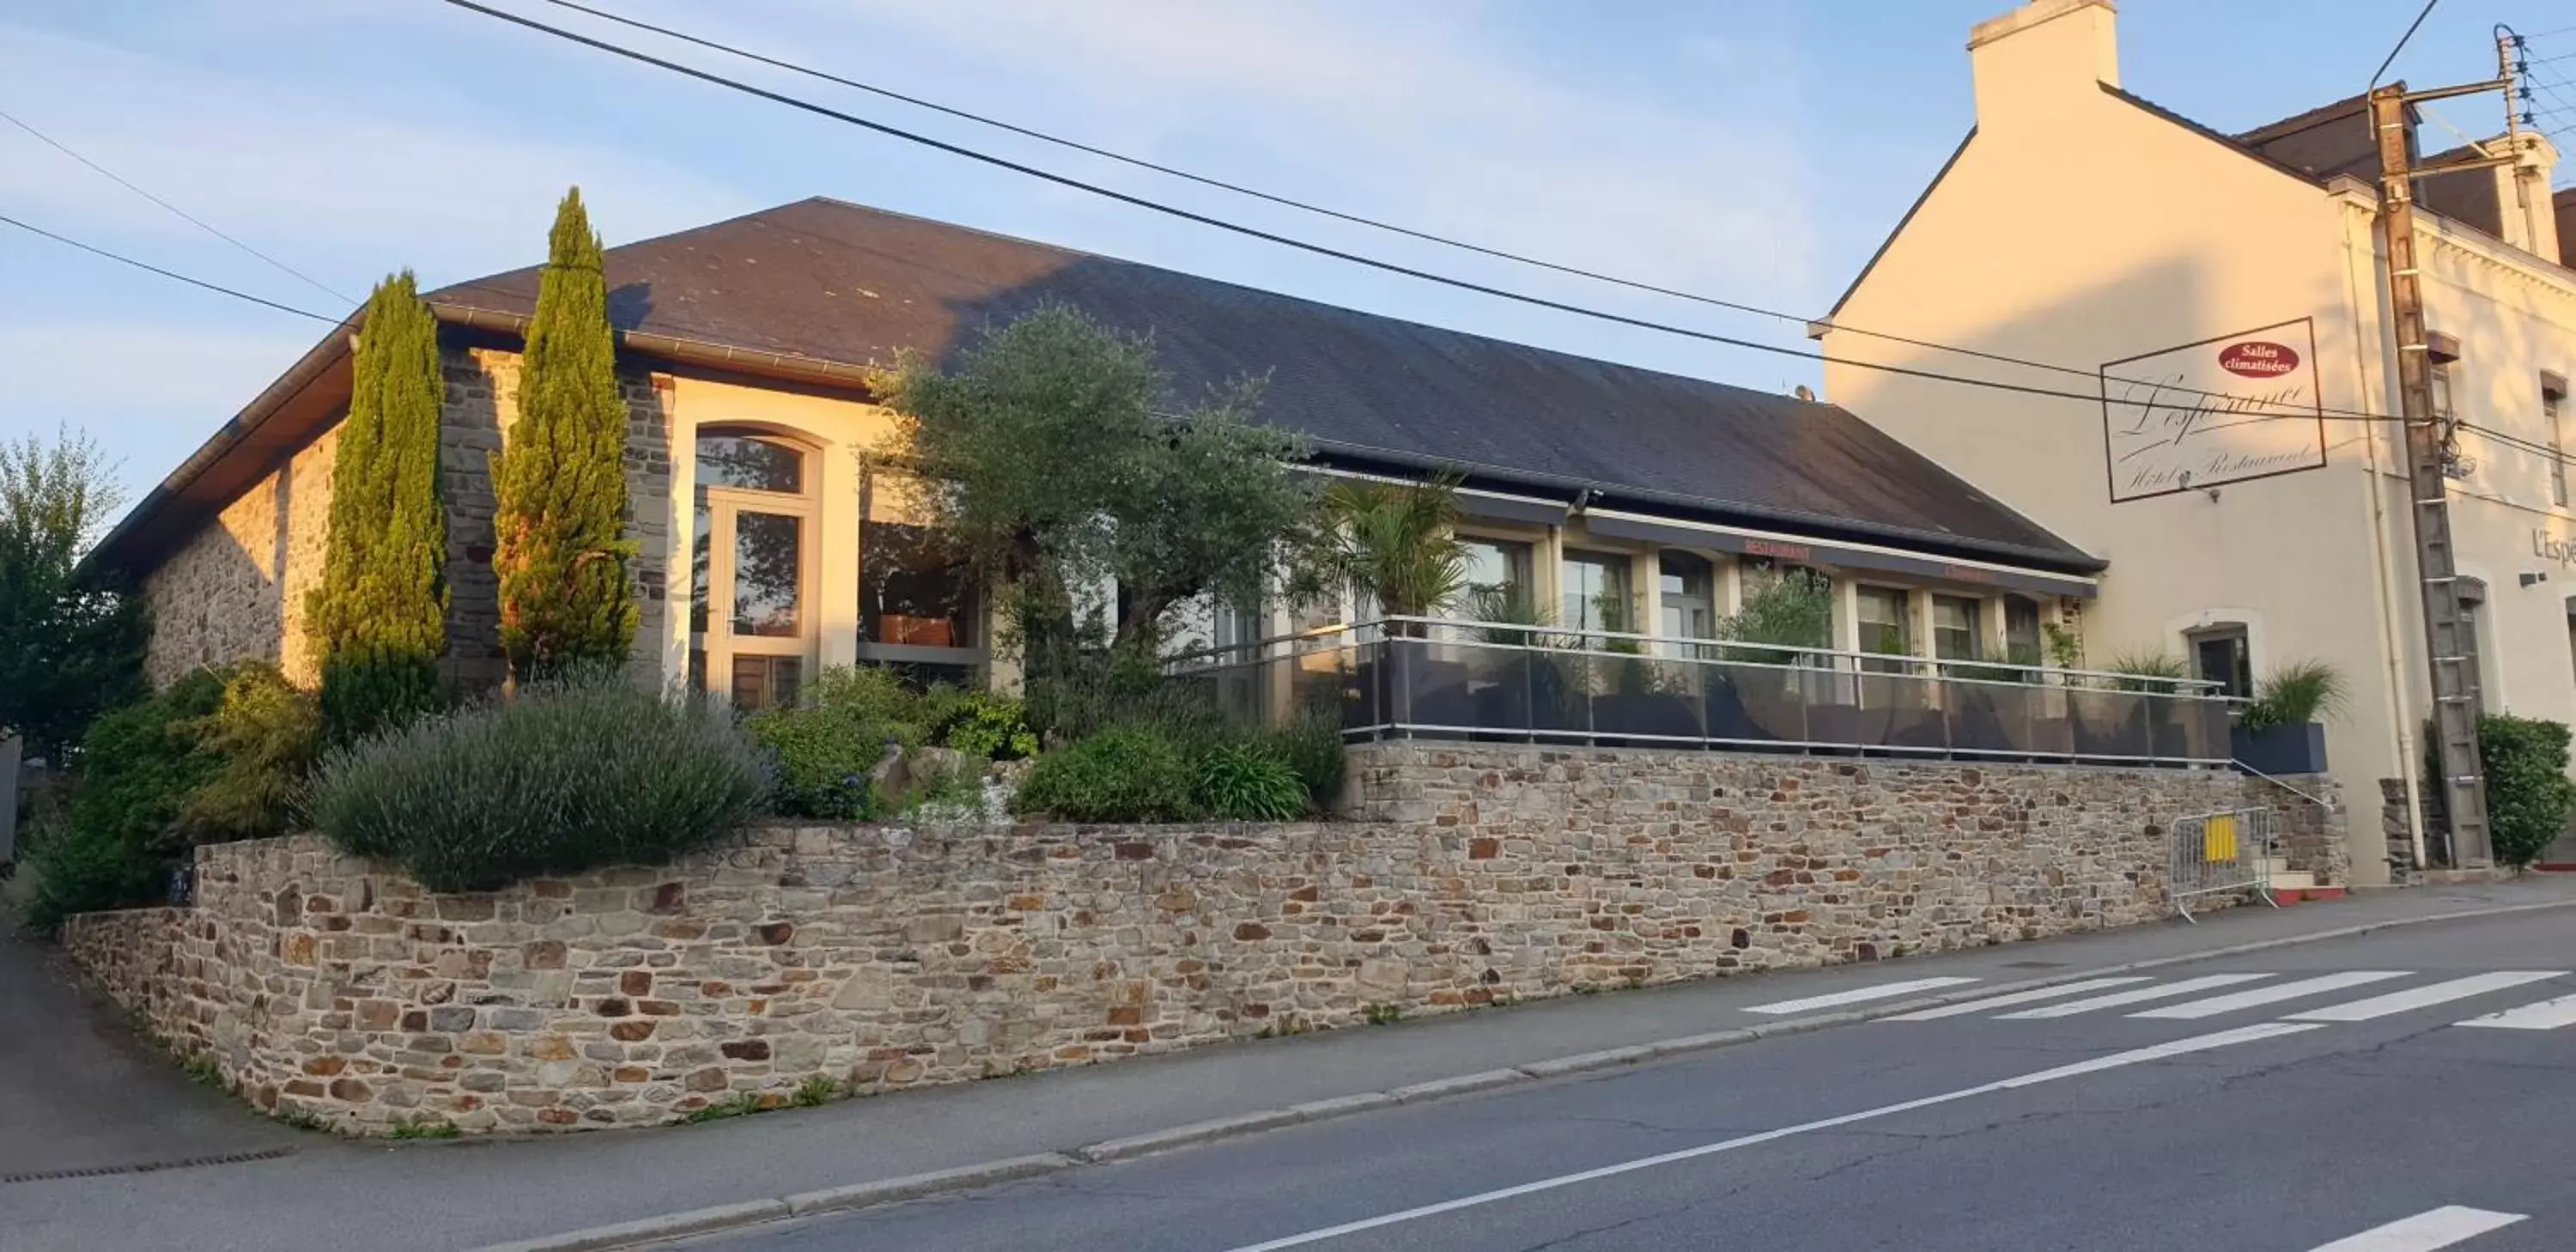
{"x":140,"y":538}
{"x":127,"y":546}
{"x":2055,"y":560}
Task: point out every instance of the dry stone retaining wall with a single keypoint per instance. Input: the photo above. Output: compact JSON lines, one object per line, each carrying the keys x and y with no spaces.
{"x":885,"y":958}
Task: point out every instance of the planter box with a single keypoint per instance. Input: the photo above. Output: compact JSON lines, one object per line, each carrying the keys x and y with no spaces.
{"x":2280,"y":750}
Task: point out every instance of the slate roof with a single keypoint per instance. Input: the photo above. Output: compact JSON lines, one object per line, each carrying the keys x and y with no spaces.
{"x":810,"y":292}
{"x":840,"y":282}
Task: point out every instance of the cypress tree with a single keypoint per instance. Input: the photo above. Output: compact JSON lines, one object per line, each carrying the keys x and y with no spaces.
{"x":379,"y":619}
{"x":560,"y":478}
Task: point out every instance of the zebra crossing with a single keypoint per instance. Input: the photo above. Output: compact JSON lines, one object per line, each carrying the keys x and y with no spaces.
{"x":2203,"y":996}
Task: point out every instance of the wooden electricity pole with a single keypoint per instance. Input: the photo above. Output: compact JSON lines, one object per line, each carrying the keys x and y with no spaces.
{"x":2450,"y":644}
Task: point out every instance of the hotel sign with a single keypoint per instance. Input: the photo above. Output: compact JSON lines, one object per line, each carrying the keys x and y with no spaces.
{"x":2220,"y":410}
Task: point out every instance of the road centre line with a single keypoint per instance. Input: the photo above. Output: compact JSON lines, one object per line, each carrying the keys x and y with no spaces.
{"x":2424,"y":997}
{"x":2018,"y":997}
{"x":1880,"y":992}
{"x":2179,"y":1047}
{"x":2437,"y":1228}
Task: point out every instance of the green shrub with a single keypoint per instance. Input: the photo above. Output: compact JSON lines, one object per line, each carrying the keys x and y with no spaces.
{"x":2528,"y":794}
{"x":1126,"y":774}
{"x":370,"y":690}
{"x":264,"y":736}
{"x":826,"y":747}
{"x":820,"y":763}
{"x":874,"y":695}
{"x":139,"y":763}
{"x":571,"y":775}
{"x":115,"y":844}
{"x":1311,"y":744}
{"x":990,"y":726}
{"x":1248,"y":783}
{"x":73,"y":869}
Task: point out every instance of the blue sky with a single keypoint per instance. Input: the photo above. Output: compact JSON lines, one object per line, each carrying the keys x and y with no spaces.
{"x":1752,"y":149}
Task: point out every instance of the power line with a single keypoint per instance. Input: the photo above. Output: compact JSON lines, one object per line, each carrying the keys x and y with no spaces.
{"x":1353,"y":218}
{"x":193,"y":282}
{"x":2302,"y":412}
{"x":2401,"y":41}
{"x":184,"y":215}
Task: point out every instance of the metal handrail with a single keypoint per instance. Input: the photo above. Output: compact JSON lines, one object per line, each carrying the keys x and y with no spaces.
{"x":2191,"y":688}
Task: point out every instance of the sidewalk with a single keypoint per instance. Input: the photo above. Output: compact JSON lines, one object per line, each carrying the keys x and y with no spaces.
{"x":363,"y":1195}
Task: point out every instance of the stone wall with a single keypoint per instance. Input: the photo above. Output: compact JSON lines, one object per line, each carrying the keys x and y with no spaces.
{"x":236,"y":588}
{"x":482,"y":401}
{"x":2310,"y":827}
{"x":884,"y":958}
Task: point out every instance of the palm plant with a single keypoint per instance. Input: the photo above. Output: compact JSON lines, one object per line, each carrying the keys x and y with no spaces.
{"x":1399,"y":543}
{"x":2295,"y":695}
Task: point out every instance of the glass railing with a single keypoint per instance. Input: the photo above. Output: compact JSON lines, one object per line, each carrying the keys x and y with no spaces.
{"x":1443,"y":679}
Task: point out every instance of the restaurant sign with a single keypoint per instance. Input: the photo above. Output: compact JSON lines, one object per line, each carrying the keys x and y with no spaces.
{"x":2220,"y":410}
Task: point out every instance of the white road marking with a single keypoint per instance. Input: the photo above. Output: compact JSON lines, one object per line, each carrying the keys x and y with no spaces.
{"x":1880,"y":992}
{"x":2018,"y":997}
{"x":2544,"y":1015}
{"x":2424,"y":997}
{"x":2118,"y":998}
{"x":2439,"y":1228}
{"x":2274,"y":994}
{"x":2200,"y":1043}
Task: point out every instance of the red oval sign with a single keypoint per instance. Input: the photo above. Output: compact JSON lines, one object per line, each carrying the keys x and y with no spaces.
{"x":2256,"y":358}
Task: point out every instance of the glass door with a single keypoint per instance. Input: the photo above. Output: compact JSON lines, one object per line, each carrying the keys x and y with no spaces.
{"x":752,"y":584}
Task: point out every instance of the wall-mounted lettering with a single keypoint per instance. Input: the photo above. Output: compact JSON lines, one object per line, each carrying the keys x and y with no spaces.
{"x":2217,"y":411}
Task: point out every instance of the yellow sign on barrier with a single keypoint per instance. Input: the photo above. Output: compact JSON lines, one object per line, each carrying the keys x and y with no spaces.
{"x":2218,"y":838}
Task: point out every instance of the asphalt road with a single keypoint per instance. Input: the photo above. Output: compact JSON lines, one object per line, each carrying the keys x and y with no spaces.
{"x":2195,"y":1110}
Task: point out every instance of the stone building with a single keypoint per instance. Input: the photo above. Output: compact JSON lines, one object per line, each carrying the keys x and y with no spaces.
{"x":747,"y":347}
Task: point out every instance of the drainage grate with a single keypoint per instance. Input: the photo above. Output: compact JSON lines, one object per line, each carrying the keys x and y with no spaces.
{"x":150,"y":1167}
{"x":2035,"y":964}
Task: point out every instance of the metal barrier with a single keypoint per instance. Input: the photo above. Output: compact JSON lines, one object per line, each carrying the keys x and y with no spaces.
{"x":2215,"y":853}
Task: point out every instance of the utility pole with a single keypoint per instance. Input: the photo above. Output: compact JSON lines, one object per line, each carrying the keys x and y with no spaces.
{"x":2450,"y":644}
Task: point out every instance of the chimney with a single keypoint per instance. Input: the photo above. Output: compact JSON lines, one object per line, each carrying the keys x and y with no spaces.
{"x":2030,"y":60}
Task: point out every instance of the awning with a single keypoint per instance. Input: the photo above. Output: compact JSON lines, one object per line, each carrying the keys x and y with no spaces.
{"x":1806,"y":551}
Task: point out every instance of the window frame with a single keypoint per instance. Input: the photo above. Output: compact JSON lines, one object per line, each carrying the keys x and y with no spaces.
{"x":1520,"y":572}
{"x":1877,"y":661}
{"x":1976,"y":626}
{"x":2553,"y":414}
{"x":1618,"y":574}
{"x":1669,"y":602}
{"x":714,"y":648}
{"x":974,"y":657}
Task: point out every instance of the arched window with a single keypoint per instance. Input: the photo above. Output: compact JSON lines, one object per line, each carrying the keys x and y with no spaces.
{"x":751,"y":592}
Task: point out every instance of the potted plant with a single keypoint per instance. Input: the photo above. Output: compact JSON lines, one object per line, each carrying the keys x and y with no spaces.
{"x":1398,"y":543}
{"x":1759,"y":693}
{"x":1637,"y":695}
{"x":2278,"y":731}
{"x":2116,"y":721}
